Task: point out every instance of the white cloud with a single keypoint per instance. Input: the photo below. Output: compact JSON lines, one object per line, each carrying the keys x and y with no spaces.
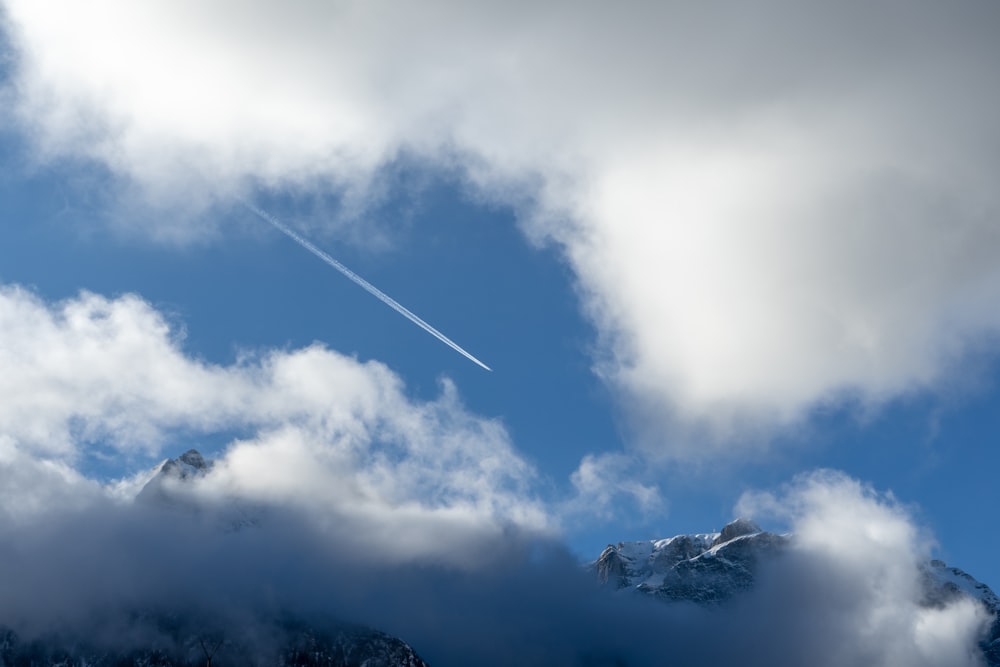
{"x":364,"y":483}
{"x":602,"y":481}
{"x":33,"y":487}
{"x":767,"y":208}
{"x":855,"y":576}
{"x":95,"y":369}
{"x":328,"y":435}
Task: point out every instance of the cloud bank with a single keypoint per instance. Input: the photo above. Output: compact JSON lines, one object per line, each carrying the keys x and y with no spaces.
{"x":861,"y":553}
{"x":847,"y":591}
{"x":340,"y":496}
{"x":767,"y":209}
{"x":316,"y":430}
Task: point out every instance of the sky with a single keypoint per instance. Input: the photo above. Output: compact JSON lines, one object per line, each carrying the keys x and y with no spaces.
{"x":707,"y":251}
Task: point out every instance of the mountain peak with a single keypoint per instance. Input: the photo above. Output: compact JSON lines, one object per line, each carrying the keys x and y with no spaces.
{"x":739,"y":527}
{"x":189,"y":465}
{"x":193,"y":458}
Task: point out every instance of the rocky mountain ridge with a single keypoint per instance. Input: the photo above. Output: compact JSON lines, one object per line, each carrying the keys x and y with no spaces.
{"x":704,"y":568}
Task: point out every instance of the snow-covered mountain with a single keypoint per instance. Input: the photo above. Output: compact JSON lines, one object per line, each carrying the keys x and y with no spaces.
{"x":168,"y":486}
{"x":157,"y":483}
{"x":705,"y":567}
{"x":710,"y":568}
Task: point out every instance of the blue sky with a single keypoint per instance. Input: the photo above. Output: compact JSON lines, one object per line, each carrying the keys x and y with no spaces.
{"x":704,"y":274}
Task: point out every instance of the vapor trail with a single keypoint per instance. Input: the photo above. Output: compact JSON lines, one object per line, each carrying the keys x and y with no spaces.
{"x":364,"y":284}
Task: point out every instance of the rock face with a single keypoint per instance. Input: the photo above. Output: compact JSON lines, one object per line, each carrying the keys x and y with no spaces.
{"x":710,"y":568}
{"x":705,"y":568}
{"x":186,"y":467}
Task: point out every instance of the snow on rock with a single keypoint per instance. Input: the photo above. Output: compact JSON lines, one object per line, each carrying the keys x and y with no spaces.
{"x":169,"y":474}
{"x":705,"y":567}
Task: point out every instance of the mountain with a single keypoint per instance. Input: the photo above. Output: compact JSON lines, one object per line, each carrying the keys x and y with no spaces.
{"x":711,"y":568}
{"x":158,"y":635}
{"x":194,"y":619}
{"x":157,"y":487}
{"x":331,"y":644}
{"x":173,"y":642}
{"x":168,"y":486}
{"x":705,"y":568}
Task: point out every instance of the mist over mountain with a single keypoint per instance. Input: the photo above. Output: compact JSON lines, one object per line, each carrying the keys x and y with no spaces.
{"x":145,"y":580}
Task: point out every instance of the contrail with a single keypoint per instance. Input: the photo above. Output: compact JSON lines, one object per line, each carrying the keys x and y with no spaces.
{"x":364,"y":284}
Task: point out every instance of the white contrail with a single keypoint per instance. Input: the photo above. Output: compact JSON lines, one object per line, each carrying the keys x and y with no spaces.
{"x":367,"y":286}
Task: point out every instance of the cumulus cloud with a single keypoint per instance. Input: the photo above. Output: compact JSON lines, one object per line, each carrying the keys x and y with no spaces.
{"x":323,"y":432}
{"x":858,"y":567}
{"x":34,"y":486}
{"x":366,"y":504}
{"x":767,"y":209}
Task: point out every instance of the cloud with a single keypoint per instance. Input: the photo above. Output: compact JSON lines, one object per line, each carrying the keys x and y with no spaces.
{"x":322,"y":432}
{"x":33,"y":486}
{"x":95,"y":369}
{"x":767,"y":210}
{"x":856,"y":566}
{"x":600,"y":481}
{"x":846,"y":592}
{"x":367,"y":504}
